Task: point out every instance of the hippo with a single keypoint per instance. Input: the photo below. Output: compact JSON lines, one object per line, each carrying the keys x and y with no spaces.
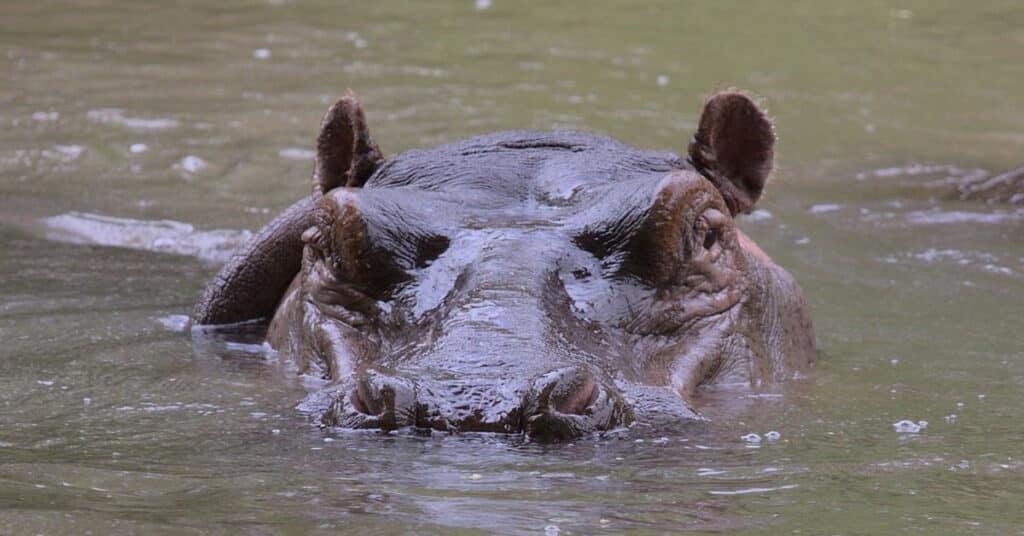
{"x":551,"y":284}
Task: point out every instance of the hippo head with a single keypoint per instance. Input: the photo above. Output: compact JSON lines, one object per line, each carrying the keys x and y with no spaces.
{"x":554,"y":283}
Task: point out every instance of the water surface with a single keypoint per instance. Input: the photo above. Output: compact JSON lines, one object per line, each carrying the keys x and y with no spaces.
{"x":111,"y":421}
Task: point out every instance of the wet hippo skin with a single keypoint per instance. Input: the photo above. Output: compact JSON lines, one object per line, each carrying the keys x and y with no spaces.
{"x":553,"y":283}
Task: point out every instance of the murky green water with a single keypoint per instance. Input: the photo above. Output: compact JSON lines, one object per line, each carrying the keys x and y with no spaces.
{"x":111,"y":422}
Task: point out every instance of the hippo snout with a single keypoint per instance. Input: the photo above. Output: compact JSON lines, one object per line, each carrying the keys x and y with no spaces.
{"x":560,"y":404}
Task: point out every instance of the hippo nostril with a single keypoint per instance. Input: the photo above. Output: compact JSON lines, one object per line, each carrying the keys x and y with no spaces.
{"x":372,"y":396}
{"x":359,"y":402}
{"x":377,"y":401}
{"x":571,"y":402}
{"x":572,"y":396}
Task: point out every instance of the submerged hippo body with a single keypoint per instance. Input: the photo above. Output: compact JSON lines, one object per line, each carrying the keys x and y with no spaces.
{"x":554,"y":283}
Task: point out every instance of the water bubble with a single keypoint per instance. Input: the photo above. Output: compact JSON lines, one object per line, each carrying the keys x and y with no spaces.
{"x":981,"y":397}
{"x":86,"y":401}
{"x":137,"y":148}
{"x":959,"y":404}
{"x":482,"y":5}
{"x":772,"y":435}
{"x":894,"y":362}
{"x":662,"y":80}
{"x":551,"y":530}
{"x":951,"y":418}
{"x":751,"y":438}
{"x":261,"y":53}
{"x":192,"y":163}
{"x":276,"y":431}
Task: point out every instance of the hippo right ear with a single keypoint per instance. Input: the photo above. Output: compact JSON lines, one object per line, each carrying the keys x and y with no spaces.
{"x":346,"y":155}
{"x":734,"y":148}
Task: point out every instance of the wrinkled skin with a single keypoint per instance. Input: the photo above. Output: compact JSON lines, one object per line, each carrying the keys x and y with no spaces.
{"x":556,"y":284}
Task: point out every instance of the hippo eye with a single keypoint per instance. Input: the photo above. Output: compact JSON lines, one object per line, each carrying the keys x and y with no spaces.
{"x":710,"y":238}
{"x":712,"y":224}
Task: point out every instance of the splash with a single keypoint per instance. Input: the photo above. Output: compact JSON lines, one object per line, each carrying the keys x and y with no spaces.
{"x":164,"y":236}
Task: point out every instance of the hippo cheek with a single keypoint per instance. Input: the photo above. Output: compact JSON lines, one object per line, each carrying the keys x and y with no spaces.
{"x":331,"y":347}
{"x":659,"y":407}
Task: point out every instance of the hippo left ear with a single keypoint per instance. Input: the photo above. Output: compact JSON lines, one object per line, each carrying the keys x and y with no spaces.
{"x":346,"y":155}
{"x":734,"y":148}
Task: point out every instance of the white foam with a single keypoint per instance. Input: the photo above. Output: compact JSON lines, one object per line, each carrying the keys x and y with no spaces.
{"x":940,"y":217}
{"x":261,"y":54}
{"x":907,"y":426}
{"x":116,"y":116}
{"x":63,"y":153}
{"x":758,"y":215}
{"x":173,"y":322}
{"x":748,"y":491}
{"x":825,"y":207}
{"x":980,"y":259}
{"x":166,"y":236}
{"x":921,"y":169}
{"x":45,"y":116}
{"x":294,"y":153}
{"x":482,"y":5}
{"x":137,"y":148}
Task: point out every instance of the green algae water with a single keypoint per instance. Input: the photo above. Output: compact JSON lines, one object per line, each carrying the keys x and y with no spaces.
{"x":175,"y":128}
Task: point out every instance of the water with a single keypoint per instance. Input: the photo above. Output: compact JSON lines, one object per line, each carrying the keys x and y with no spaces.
{"x":204,"y":113}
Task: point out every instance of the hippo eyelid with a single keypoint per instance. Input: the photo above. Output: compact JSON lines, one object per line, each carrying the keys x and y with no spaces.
{"x":312,"y":236}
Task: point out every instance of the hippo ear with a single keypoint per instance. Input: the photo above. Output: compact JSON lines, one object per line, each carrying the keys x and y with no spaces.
{"x":345,"y":153}
{"x":734,"y":148}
